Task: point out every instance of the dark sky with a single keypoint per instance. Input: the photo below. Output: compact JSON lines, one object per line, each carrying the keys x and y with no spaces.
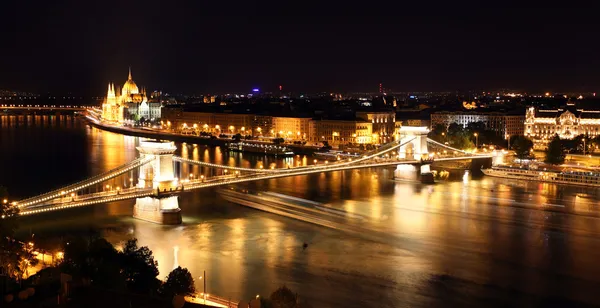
{"x":221,"y":46}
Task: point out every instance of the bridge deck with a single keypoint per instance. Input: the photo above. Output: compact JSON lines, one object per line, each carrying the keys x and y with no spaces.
{"x":60,"y":199}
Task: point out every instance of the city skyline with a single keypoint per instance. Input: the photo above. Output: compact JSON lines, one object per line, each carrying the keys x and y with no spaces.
{"x":207,"y":48}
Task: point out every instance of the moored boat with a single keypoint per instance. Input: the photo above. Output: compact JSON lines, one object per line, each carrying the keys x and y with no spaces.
{"x":573,"y":177}
{"x":268,"y":149}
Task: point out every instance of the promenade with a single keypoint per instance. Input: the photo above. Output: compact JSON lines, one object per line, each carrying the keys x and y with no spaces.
{"x":165,"y":135}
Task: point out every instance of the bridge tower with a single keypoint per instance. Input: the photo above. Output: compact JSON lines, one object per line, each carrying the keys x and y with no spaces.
{"x":163,"y":206}
{"x":414,"y":139}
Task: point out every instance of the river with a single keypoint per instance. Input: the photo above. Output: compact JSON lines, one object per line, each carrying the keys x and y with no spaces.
{"x":471,"y":241}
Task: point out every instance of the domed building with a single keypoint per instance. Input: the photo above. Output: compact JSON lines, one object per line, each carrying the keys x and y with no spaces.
{"x":132,"y":104}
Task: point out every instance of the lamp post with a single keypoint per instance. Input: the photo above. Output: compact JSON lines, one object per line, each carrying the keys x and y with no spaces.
{"x":476,"y":140}
{"x":204,"y":281}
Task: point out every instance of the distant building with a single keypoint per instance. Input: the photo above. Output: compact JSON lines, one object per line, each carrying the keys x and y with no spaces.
{"x":292,"y":127}
{"x":263,"y":124}
{"x":217,"y":121}
{"x":128,"y":103}
{"x":503,"y":124}
{"x":178,"y":119}
{"x":413,"y":117}
{"x":542,"y":124}
{"x":337,"y":132}
{"x":383,"y":122}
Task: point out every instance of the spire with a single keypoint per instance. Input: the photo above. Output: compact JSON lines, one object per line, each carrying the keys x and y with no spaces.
{"x":130,"y":73}
{"x":111,"y":90}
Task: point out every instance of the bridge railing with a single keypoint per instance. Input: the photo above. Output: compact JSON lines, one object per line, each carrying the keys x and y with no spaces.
{"x":93,"y":196}
{"x":119,"y":197}
{"x":85,"y":183}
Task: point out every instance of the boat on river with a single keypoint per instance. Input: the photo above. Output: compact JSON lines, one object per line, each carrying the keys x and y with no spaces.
{"x":581,"y":177}
{"x":267,"y":149}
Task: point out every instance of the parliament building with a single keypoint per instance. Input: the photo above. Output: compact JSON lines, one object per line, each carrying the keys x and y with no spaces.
{"x":128,"y":103}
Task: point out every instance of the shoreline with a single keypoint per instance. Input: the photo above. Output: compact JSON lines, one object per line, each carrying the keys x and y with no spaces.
{"x":298,"y":150}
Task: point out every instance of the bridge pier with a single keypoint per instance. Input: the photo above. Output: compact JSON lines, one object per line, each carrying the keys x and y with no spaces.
{"x":414,"y":140}
{"x":408,"y":172}
{"x":158,"y":175}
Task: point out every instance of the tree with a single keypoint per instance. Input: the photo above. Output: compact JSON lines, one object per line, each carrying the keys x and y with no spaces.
{"x":15,"y":256}
{"x":522,"y":146}
{"x":284,"y":298}
{"x":179,"y":282}
{"x":237,"y":137}
{"x":438,"y":133}
{"x":139,"y":267}
{"x":555,"y":153}
{"x":455,"y":129}
{"x":461,"y":142}
{"x":103,"y":266}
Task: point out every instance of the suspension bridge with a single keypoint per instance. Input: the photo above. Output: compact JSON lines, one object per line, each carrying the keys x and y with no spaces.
{"x":156,"y":189}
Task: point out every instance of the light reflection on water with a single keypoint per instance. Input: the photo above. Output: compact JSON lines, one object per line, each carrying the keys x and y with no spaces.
{"x":491,"y":240}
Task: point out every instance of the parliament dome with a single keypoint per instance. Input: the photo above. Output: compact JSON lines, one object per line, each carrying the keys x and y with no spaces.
{"x":129,"y":87}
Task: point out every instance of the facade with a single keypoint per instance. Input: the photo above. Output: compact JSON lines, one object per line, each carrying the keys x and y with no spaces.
{"x":129,"y":103}
{"x":384,"y":124}
{"x":112,"y":109}
{"x":263,"y":125}
{"x":296,"y":128}
{"x":504,"y":125}
{"x":337,"y":132}
{"x":217,"y":123}
{"x":542,"y":124}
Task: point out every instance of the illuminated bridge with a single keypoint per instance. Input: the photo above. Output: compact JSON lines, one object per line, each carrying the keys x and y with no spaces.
{"x":42,"y":107}
{"x":156,"y":188}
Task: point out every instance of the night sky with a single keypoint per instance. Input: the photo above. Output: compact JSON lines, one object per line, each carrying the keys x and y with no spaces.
{"x":225,"y":46}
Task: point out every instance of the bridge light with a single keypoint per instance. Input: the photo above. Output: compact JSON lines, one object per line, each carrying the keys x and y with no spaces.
{"x":5,"y":201}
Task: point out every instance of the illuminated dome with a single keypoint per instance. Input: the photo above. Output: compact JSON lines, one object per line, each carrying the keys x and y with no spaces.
{"x":129,"y":87}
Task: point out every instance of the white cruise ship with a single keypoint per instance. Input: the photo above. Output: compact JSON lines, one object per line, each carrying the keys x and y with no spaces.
{"x":574,"y":177}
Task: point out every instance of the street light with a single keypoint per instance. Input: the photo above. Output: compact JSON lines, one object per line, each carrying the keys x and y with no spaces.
{"x":476,"y":140}
{"x":204,"y":280}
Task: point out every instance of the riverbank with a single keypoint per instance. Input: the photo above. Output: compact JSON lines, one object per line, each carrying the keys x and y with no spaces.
{"x":297,"y":149}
